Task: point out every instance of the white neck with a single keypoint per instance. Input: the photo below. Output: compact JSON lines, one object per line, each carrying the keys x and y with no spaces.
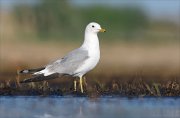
{"x":91,"y":41}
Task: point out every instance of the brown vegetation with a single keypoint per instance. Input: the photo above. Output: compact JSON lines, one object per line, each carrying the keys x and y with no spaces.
{"x":132,"y":86}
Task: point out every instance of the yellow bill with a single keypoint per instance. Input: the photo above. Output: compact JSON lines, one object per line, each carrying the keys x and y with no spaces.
{"x":102,"y":30}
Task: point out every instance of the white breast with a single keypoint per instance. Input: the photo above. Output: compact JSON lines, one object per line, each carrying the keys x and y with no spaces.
{"x":89,"y":64}
{"x":91,"y":44}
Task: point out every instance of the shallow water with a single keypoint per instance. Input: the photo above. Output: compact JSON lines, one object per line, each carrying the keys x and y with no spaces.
{"x":82,"y":107}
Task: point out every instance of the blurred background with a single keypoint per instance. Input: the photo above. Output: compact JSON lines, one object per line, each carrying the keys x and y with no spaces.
{"x":143,"y":36}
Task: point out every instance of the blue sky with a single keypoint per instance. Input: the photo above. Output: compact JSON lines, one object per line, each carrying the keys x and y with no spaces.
{"x":168,"y":9}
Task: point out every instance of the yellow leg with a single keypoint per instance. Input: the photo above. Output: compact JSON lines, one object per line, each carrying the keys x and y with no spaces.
{"x":81,"y":85}
{"x":75,"y":82}
{"x":85,"y":81}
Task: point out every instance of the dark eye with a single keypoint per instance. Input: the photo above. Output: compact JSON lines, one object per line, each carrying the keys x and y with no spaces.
{"x":92,"y":25}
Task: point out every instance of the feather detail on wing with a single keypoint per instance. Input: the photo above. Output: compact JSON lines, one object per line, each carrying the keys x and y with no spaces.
{"x":70,"y":63}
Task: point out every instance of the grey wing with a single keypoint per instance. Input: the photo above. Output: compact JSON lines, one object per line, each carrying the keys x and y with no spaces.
{"x":70,"y":63}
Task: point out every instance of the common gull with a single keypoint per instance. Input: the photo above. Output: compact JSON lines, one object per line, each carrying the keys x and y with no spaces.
{"x":76,"y":63}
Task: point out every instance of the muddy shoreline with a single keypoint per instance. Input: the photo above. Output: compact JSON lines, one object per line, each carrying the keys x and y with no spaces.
{"x":132,"y":86}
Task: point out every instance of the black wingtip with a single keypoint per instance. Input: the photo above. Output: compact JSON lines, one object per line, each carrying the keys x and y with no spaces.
{"x":40,"y":78}
{"x":22,"y":82}
{"x":30,"y":71}
{"x":25,"y":81}
{"x":23,"y":71}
